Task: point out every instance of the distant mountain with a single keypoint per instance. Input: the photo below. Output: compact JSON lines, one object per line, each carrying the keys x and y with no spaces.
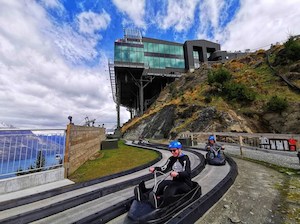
{"x":6,"y":126}
{"x":20,"y":145}
{"x":8,"y":129}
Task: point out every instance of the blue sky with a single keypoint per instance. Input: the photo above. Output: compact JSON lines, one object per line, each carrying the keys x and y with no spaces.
{"x":54,"y":53}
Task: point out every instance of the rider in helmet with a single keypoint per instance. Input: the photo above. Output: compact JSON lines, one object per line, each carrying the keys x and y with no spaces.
{"x":213,"y":147}
{"x":180,"y":167}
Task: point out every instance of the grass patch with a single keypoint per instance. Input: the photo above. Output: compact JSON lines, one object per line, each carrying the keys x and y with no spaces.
{"x":113,"y":161}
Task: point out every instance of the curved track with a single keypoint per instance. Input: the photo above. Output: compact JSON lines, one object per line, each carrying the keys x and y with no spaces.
{"x":104,"y":200}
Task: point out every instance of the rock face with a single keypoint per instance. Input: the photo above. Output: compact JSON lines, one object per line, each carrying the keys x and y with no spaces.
{"x":173,"y":119}
{"x":286,"y":122}
{"x":156,"y":126}
{"x":167,"y":122}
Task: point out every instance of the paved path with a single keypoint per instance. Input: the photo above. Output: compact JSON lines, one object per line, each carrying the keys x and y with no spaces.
{"x":259,"y":194}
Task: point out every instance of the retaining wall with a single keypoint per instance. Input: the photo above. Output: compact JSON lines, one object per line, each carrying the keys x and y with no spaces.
{"x":81,"y":143}
{"x":30,"y":180}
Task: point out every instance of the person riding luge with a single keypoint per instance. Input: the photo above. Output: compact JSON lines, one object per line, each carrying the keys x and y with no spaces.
{"x":180,"y":166}
{"x":166,"y":197}
{"x":214,"y":156}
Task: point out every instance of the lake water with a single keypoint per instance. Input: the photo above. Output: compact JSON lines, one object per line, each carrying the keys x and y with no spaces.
{"x":11,"y":166}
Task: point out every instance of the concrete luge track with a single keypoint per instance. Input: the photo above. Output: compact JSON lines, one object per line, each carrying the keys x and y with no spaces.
{"x":81,"y":197}
{"x":104,"y":201}
{"x":214,"y":181}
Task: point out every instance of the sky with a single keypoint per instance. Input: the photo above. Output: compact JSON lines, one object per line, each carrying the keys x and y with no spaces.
{"x":54,"y":53}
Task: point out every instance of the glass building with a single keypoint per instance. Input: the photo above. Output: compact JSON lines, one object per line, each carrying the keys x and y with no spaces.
{"x":143,"y":66}
{"x":152,"y":55}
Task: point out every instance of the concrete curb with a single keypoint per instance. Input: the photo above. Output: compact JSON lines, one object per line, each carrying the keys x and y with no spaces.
{"x":18,"y":183}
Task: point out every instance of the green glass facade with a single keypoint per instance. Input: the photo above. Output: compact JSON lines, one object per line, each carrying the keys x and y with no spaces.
{"x":153,"y":55}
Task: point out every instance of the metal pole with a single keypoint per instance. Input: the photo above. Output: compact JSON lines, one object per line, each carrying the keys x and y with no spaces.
{"x":241,"y":144}
{"x":141,"y":96}
{"x":118,"y":104}
{"x":118,"y":115}
{"x":192,"y":139}
{"x":67,"y":150}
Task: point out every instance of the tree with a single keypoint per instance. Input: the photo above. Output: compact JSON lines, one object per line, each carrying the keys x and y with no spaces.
{"x":40,"y":160}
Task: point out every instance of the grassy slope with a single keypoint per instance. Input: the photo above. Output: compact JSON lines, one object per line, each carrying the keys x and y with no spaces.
{"x":112,"y":161}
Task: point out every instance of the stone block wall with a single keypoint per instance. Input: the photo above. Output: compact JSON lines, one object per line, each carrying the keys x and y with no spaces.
{"x":81,"y":143}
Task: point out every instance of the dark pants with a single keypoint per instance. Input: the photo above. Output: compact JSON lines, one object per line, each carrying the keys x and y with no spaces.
{"x":169,"y":188}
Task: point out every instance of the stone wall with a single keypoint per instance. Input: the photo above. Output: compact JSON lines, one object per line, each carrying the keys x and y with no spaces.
{"x":81,"y":143}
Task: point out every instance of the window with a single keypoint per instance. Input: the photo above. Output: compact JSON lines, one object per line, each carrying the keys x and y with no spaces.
{"x":196,"y":54}
{"x":161,"y":48}
{"x":150,"y":47}
{"x":162,"y":63}
{"x":181,"y":63}
{"x":167,"y":62}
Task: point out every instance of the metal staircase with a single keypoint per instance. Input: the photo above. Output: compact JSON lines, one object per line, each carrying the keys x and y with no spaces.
{"x":111,"y":68}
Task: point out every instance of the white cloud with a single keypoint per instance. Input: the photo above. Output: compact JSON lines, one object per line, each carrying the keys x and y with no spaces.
{"x":89,"y":22}
{"x":179,"y":15}
{"x":260,"y":23}
{"x":38,"y":89}
{"x":135,"y":9}
{"x":209,"y":16}
{"x":54,"y":4}
{"x":75,"y":47}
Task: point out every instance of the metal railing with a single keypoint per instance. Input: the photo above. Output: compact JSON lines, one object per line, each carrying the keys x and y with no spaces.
{"x":28,"y":151}
{"x":270,"y":141}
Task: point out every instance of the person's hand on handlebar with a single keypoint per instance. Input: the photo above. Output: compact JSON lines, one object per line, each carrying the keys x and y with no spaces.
{"x":174,"y":174}
{"x":151,"y":169}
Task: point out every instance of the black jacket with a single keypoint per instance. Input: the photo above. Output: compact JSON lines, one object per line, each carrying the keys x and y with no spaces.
{"x":185,"y":174}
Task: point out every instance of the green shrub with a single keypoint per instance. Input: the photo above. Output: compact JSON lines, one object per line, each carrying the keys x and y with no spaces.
{"x":292,"y":47}
{"x":290,"y":53}
{"x":219,"y":76}
{"x":277,"y":104}
{"x":238,"y":92}
{"x":207,"y":99}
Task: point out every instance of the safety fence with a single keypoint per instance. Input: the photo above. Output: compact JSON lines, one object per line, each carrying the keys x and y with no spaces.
{"x":268,"y":141}
{"x":28,"y":151}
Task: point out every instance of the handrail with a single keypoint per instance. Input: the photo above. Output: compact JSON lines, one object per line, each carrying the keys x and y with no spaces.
{"x":24,"y":151}
{"x":285,"y":79}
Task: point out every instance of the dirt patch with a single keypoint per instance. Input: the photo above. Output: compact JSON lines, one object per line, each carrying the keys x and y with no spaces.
{"x":259,"y":195}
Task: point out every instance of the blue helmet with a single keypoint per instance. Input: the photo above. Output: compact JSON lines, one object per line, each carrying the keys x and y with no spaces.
{"x":211,"y":137}
{"x":175,"y":144}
